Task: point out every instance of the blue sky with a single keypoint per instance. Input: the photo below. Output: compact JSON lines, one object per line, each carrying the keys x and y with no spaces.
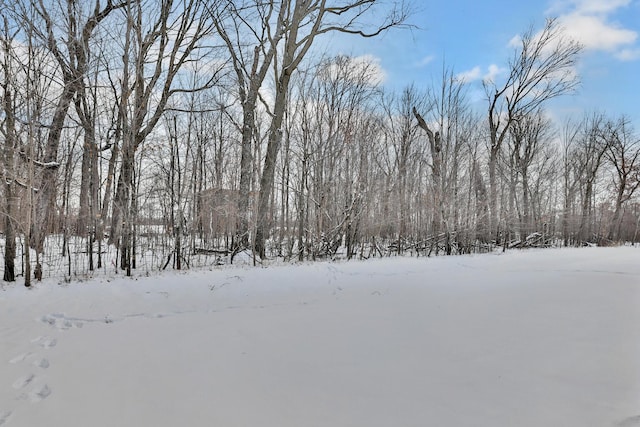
{"x":473,"y":36}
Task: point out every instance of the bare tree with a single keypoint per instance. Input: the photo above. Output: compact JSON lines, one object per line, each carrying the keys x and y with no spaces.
{"x":527,"y":136}
{"x":448,"y":132}
{"x":251,"y":38}
{"x":304,"y":128}
{"x":8,"y":133}
{"x":403,"y":136}
{"x":593,"y":145}
{"x":571,"y":171}
{"x":26,"y":85}
{"x":623,"y":153}
{"x":76,"y":29}
{"x":332,"y":134}
{"x":261,"y":143}
{"x":542,"y":68}
{"x":303,"y":21}
{"x":435,"y":146}
{"x":91,"y":107}
{"x":168,"y":38}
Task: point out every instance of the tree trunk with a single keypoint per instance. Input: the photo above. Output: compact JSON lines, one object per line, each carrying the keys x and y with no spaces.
{"x":492,"y":226}
{"x":246,"y":172}
{"x":11,"y":198}
{"x":614,"y":228}
{"x":120,"y":217}
{"x":302,"y":206}
{"x":271,"y":157}
{"x":45,"y":208}
{"x":10,"y":233}
{"x":526,"y":206}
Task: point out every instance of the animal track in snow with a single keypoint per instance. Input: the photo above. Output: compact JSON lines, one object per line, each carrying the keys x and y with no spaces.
{"x":30,"y":386}
{"x":41,"y":363}
{"x":45,"y":342}
{"x":22,"y":382}
{"x":19,"y":358}
{"x":4,"y":417}
{"x":630,"y":422}
{"x":39,"y":393}
{"x":60,"y":321}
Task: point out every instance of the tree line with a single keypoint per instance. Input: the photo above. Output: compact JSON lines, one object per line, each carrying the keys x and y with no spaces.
{"x":215,"y":128}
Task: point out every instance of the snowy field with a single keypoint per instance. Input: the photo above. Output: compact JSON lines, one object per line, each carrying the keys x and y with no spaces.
{"x":545,"y":338}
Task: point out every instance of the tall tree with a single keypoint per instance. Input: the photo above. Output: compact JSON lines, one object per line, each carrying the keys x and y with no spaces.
{"x":159,"y":43}
{"x":303,"y":21}
{"x":403,"y":134}
{"x":71,"y":56}
{"x":623,"y":153}
{"x":541,"y":68}
{"x":571,"y":168}
{"x":593,"y":145}
{"x":527,"y":136}
{"x":251,"y":38}
{"x":448,"y":132}
{"x":8,"y":133}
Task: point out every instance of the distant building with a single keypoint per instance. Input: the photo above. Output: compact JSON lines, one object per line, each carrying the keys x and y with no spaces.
{"x":218,"y":211}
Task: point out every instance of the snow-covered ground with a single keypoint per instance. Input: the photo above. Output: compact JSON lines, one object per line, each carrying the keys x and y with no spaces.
{"x":535,"y":338}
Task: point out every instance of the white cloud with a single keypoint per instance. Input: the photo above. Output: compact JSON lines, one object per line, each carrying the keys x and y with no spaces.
{"x":468,"y":76}
{"x":515,"y":41}
{"x":358,"y":68}
{"x":493,"y":72}
{"x":628,"y":54}
{"x":370,"y":66}
{"x":476,"y":73}
{"x":596,"y":34}
{"x":589,"y":22}
{"x":600,"y":6}
{"x":425,"y":61}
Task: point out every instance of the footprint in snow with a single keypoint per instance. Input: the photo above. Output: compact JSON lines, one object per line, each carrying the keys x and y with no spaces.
{"x":630,"y":422}
{"x":19,"y":358}
{"x":60,"y":321}
{"x":45,"y":342}
{"x":4,"y":417}
{"x":41,"y":363}
{"x":39,"y":393}
{"x":24,"y":381}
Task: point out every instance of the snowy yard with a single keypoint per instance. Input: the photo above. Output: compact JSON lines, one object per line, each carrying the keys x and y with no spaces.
{"x":526,"y":339}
